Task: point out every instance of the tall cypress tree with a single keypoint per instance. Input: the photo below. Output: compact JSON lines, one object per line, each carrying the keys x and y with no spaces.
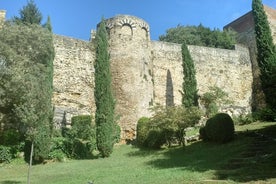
{"x":190,"y":97}
{"x":105,"y":103}
{"x":266,"y":53}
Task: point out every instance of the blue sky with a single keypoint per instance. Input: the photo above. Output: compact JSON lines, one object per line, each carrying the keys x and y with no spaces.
{"x":75,"y":18}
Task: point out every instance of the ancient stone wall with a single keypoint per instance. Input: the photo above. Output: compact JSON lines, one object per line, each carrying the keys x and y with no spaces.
{"x":229,"y":70}
{"x":73,"y":79}
{"x":144,"y":73}
{"x":168,"y":73}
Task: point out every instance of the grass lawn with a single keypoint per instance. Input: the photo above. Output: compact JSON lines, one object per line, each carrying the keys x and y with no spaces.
{"x":198,"y":162}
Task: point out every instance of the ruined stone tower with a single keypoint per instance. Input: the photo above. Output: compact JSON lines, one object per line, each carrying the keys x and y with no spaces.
{"x":131,"y":67}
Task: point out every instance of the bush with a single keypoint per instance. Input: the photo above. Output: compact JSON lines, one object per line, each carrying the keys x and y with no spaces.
{"x":142,"y":131}
{"x":58,"y":149}
{"x":266,"y":114}
{"x":167,"y":126}
{"x":5,"y":154}
{"x":80,"y":139}
{"x":10,"y":137}
{"x":219,"y":128}
{"x":243,"y":119}
{"x":155,"y":139}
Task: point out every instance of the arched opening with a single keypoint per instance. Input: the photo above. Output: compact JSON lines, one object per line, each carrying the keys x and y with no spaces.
{"x":126,"y":30}
{"x":146,"y":33}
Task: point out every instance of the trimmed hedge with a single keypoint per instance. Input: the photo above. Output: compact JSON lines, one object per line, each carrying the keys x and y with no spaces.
{"x":219,"y":128}
{"x":80,"y":139}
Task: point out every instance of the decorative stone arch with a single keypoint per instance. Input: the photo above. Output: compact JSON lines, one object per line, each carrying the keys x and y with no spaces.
{"x":126,"y":29}
{"x":145,"y":28}
{"x":127,"y":26}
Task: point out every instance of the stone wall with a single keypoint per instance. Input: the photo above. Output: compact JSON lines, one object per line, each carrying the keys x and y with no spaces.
{"x":168,"y":73}
{"x":229,"y":70}
{"x":144,"y":73}
{"x":73,"y":79}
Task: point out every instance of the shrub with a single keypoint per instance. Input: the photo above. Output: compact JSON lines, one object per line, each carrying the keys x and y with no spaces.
{"x":142,"y":131}
{"x":156,"y":138}
{"x":10,"y":137}
{"x":166,"y":126}
{"x":80,"y":139}
{"x":202,"y":134}
{"x":243,"y":119}
{"x":5,"y":154}
{"x":58,"y":149}
{"x":266,"y":114}
{"x":219,"y":128}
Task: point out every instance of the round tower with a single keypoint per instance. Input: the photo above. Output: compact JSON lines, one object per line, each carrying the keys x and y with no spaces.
{"x":131,"y":67}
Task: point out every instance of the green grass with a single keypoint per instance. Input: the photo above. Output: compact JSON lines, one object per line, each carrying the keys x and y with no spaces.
{"x":199,"y":162}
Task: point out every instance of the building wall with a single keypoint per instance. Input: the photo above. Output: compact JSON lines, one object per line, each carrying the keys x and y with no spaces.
{"x":144,"y":73}
{"x":73,"y":79}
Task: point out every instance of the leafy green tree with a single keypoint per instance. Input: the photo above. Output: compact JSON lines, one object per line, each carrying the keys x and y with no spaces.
{"x":29,"y":14}
{"x":105,"y":103}
{"x":26,"y":84}
{"x":190,"y":97}
{"x":200,"y":35}
{"x":266,"y":55}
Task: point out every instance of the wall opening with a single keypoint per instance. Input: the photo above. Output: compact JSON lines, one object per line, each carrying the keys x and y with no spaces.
{"x":126,"y":30}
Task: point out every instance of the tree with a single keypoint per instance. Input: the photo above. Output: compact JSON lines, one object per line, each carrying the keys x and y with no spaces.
{"x":266,"y":55}
{"x":105,"y":103}
{"x":200,"y":35}
{"x":26,"y":84}
{"x":48,"y":24}
{"x":190,"y":97}
{"x":29,"y":14}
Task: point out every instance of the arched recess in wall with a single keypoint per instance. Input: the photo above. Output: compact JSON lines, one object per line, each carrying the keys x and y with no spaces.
{"x":126,"y":30}
{"x":145,"y":31}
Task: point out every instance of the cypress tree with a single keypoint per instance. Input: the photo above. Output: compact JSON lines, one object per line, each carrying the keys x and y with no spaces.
{"x":190,"y":97}
{"x":266,"y":55}
{"x":105,"y":103}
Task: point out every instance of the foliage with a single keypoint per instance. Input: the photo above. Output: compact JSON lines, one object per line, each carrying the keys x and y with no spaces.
{"x":58,"y":149}
{"x":80,"y":139}
{"x":213,"y":99}
{"x":105,"y":103}
{"x":200,"y":35}
{"x":190,"y":97}
{"x":243,"y":119}
{"x":142,"y":131}
{"x":266,"y":54}
{"x":10,"y":137}
{"x":265,"y":114}
{"x":5,"y":154}
{"x":219,"y":128}
{"x":29,"y":14}
{"x":167,"y":125}
{"x":27,"y":54}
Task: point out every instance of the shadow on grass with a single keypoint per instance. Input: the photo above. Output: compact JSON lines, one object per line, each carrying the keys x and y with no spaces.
{"x":203,"y":156}
{"x":10,"y":182}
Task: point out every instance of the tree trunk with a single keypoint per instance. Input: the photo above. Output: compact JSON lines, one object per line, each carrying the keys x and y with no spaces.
{"x":31,"y":160}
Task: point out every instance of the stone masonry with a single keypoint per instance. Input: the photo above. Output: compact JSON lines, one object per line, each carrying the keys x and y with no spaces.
{"x":144,"y":73}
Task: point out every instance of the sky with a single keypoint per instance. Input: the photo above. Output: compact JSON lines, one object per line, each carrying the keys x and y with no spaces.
{"x":76,"y":18}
